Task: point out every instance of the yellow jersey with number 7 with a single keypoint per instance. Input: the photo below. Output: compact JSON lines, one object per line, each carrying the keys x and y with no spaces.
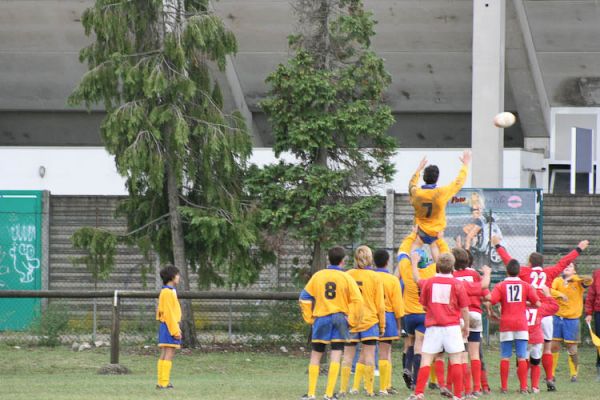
{"x":429,"y":202}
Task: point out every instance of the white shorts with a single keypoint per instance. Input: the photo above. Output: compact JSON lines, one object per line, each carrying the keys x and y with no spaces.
{"x":514,"y":335}
{"x":535,"y":350}
{"x":475,"y":322}
{"x":548,"y":327}
{"x":439,"y":339}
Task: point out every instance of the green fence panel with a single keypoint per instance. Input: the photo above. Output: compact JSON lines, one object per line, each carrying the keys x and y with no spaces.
{"x":20,"y":255}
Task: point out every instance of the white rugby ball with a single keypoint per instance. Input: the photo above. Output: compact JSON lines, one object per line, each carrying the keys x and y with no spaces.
{"x":504,"y":120}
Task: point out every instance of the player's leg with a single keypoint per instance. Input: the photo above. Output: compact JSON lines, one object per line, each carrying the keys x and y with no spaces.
{"x":419,"y":336}
{"x":557,"y":339}
{"x":535,"y":358}
{"x":334,"y":368}
{"x":485,"y":386}
{"x":435,"y":251}
{"x":506,"y":350}
{"x":440,"y":370}
{"x":169,"y":354}
{"x":432,"y":344}
{"x":367,"y":356}
{"x":409,"y":344}
{"x":452,"y":341}
{"x":473,"y":349}
{"x":385,"y":365}
{"x":547,"y":329}
{"x":160,"y":369}
{"x":313,"y":369}
{"x":349,"y":352}
{"x":571,"y":337}
{"x":573,"y":361}
{"x":522,"y":365}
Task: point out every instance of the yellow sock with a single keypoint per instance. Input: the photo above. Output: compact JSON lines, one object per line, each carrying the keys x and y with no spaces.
{"x":554,"y":363}
{"x":159,"y":371}
{"x":383,"y":374}
{"x":388,"y":379}
{"x":166,"y":378}
{"x":345,"y":379}
{"x":572,"y":366}
{"x":313,"y":376}
{"x":358,"y":375}
{"x":334,"y":371}
{"x":433,"y":376}
{"x":369,"y":378}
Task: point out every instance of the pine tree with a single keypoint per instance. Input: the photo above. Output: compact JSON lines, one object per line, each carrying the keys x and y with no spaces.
{"x":326,"y":109}
{"x":183,"y":158}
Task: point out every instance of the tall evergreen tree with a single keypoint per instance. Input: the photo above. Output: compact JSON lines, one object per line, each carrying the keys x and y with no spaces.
{"x":326,"y":109}
{"x":183,"y":157}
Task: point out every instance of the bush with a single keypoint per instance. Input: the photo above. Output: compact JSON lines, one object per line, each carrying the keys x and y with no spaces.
{"x":281,"y":319}
{"x":51,"y":323}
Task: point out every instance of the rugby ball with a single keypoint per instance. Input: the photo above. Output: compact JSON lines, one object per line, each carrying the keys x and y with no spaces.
{"x":504,"y":120}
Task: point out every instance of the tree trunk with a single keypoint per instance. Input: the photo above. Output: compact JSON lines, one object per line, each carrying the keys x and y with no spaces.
{"x":318,"y":258}
{"x":188,"y":328}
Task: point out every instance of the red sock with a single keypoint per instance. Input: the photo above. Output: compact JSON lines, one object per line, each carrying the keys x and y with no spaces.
{"x":547,"y":363}
{"x":522,"y":373}
{"x":504,"y":367}
{"x":535,"y":376}
{"x":439,"y":372}
{"x":476,"y":373}
{"x":422,"y":380}
{"x":449,"y":380}
{"x":457,"y":379}
{"x":466,"y":378}
{"x":484,"y":381}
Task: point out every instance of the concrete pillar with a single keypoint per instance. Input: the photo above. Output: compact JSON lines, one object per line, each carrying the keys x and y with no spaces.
{"x":389,"y":226}
{"x":489,"y":19}
{"x":45,"y":244}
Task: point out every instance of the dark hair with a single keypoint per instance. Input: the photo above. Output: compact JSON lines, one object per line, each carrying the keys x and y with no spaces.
{"x":336,"y":255}
{"x":513,"y":268}
{"x":471,"y":259}
{"x":167,"y":274}
{"x":536,"y":259}
{"x":461,"y":258}
{"x":381,"y":258}
{"x":431,"y":174}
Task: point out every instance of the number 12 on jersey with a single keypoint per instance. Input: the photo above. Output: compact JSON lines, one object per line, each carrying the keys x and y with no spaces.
{"x":514,"y":293}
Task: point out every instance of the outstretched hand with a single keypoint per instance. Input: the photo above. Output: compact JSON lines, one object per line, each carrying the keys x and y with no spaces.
{"x":583,"y":244}
{"x":486,"y":270}
{"x":466,"y":157}
{"x":496,"y":240}
{"x":422,"y":164}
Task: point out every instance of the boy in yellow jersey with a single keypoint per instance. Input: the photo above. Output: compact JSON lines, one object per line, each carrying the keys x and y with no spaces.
{"x":414,"y":319}
{"x":429,"y":201}
{"x":394,"y":311}
{"x":566,"y":320}
{"x":169,"y":333}
{"x":370,"y":328}
{"x":331,"y":302}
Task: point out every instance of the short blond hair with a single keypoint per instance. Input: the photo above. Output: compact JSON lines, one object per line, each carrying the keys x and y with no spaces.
{"x":445,"y":263}
{"x":363,"y":257}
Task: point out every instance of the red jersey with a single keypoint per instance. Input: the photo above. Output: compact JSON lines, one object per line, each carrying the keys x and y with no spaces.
{"x":472,"y":280}
{"x":443,"y":297}
{"x":535,"y":315}
{"x":538,"y":276}
{"x":513,"y":294}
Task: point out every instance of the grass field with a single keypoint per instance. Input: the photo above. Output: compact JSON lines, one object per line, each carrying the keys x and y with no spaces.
{"x":60,"y":374}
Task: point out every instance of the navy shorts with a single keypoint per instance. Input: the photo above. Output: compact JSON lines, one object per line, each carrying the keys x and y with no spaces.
{"x":372,"y":333}
{"x":566,"y":329}
{"x":425,"y":238}
{"x":165,"y":339}
{"x":391,"y":327}
{"x":330,"y":329}
{"x":414,"y":322}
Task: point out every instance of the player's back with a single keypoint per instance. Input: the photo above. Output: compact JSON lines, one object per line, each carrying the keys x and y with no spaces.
{"x":411,"y":290}
{"x":330,"y":289}
{"x":392,"y":293}
{"x":513,"y":294}
{"x":430,"y":208}
{"x":371,"y":287}
{"x":443,"y":296}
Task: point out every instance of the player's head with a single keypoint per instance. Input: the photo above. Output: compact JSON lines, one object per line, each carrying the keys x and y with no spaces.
{"x":169,"y":274}
{"x":424,"y":260}
{"x":363,"y":257}
{"x":381,"y":258}
{"x":461,"y":258}
{"x":431,"y":174}
{"x":536,"y":259}
{"x":336,"y":255}
{"x":570,"y":270}
{"x":445,"y":263}
{"x":513,"y":268}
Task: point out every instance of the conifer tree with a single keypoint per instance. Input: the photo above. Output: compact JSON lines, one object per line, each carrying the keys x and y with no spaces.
{"x":182,"y":156}
{"x":326,"y":109}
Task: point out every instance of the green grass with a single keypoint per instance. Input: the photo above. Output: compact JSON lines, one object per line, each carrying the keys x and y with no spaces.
{"x":60,"y":374}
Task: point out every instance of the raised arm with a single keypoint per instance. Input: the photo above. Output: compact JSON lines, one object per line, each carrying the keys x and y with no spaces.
{"x":414,"y":181}
{"x":502,"y":252}
{"x":454,"y":187}
{"x":486,"y":279}
{"x":555,"y":270}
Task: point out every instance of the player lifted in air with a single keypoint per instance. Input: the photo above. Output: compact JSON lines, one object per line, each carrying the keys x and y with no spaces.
{"x":331,"y":302}
{"x":429,"y":201}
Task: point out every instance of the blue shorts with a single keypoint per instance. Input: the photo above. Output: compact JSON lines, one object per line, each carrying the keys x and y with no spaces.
{"x":391,"y":327}
{"x":370,"y":334}
{"x":425,"y":237}
{"x":566,"y":329}
{"x":165,"y":339}
{"x":330,"y":328}
{"x":414,"y":322}
{"x":506,"y":348}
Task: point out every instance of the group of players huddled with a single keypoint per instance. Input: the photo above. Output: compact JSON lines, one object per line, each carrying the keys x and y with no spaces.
{"x":437,"y":301}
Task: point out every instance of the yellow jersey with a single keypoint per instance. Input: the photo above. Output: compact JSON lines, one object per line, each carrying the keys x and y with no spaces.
{"x":371,"y":287}
{"x":392,"y":293}
{"x":430,"y":202}
{"x":411,"y":290}
{"x":169,"y":310}
{"x":331,"y":291}
{"x":573,"y":289}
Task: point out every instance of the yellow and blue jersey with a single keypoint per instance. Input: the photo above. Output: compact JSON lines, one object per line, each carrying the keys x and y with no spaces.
{"x":371,"y":287}
{"x":168,"y":313}
{"x":429,"y":202}
{"x":411,"y":295}
{"x":392,"y":293}
{"x":573,"y":289}
{"x":330,"y":291}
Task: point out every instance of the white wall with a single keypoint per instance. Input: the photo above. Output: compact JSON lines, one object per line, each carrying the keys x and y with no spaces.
{"x":91,"y":170}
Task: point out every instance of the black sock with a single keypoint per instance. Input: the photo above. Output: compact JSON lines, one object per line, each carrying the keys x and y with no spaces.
{"x":404,"y":360}
{"x":416,"y":367}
